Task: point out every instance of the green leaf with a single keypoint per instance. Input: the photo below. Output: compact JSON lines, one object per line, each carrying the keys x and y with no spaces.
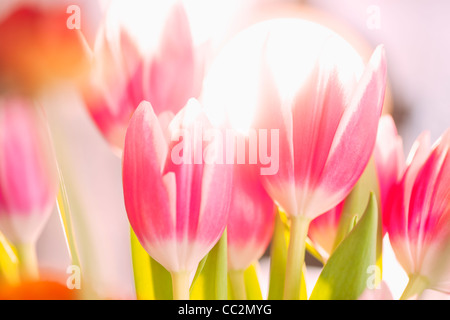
{"x":252,"y":283}
{"x":212,"y":284}
{"x":9,"y":263}
{"x":345,"y":276}
{"x":200,"y":267}
{"x":141,"y":269}
{"x":355,"y":204}
{"x":356,"y":201}
{"x":152,"y":281}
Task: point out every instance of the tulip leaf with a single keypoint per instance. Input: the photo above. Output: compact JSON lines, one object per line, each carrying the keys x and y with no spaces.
{"x":250,"y":283}
{"x":152,"y":280}
{"x":278,"y":259}
{"x":355,"y":204}
{"x":200,"y":267}
{"x":345,"y":275}
{"x":9,"y":263}
{"x":212,"y":283}
{"x":252,"y":286}
{"x":141,"y":269}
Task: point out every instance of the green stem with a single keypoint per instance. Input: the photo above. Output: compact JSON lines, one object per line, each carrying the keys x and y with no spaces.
{"x":28,"y":264}
{"x":180,"y":284}
{"x":278,"y":256}
{"x":237,"y":281}
{"x":416,"y":285}
{"x":62,"y":203}
{"x":295,"y":257}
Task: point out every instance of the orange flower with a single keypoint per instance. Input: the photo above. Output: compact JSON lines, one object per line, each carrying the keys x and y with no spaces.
{"x":37,"y":290}
{"x":38,"y":48}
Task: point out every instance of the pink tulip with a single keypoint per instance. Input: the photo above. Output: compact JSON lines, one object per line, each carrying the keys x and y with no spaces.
{"x":326,"y":137}
{"x":251,"y":219}
{"x":122,"y":76}
{"x":28,"y":176}
{"x":115,"y":88}
{"x":178,"y":209}
{"x":418,"y":217}
{"x":326,"y":140}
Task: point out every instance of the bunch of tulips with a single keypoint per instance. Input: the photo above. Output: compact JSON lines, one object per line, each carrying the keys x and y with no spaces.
{"x":200,"y":219}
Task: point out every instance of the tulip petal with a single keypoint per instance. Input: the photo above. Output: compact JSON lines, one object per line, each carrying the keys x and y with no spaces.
{"x":199,"y":220}
{"x":251,"y":219}
{"x":173,"y":70}
{"x":316,"y":112}
{"x":151,"y":214}
{"x":398,"y":201}
{"x":116,"y":86}
{"x":389,"y":158}
{"x":429,"y":202}
{"x":354,"y":139}
{"x":381,"y":293}
{"x":275,"y":115}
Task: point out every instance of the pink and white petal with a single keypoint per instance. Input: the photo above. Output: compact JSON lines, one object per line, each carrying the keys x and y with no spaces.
{"x":397,"y":227}
{"x":251,"y":219}
{"x":397,"y":206}
{"x":145,"y":191}
{"x":380,"y":293}
{"x":355,"y":138}
{"x":186,"y":162}
{"x":389,"y":157}
{"x":429,"y":202}
{"x":172,"y":70}
{"x":28,"y":172}
{"x":216,"y":184}
{"x":316,"y":112}
{"x":276,"y":115}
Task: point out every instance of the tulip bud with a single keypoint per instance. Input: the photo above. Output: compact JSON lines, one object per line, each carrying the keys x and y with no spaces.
{"x":28,"y":179}
{"x":177,"y":205}
{"x":28,"y":176}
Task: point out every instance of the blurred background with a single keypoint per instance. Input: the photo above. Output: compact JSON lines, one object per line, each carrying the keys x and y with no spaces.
{"x":46,"y":62}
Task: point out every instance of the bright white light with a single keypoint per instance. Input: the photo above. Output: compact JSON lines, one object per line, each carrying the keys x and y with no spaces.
{"x":292,"y":47}
{"x":143,"y":19}
{"x":209,"y":19}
